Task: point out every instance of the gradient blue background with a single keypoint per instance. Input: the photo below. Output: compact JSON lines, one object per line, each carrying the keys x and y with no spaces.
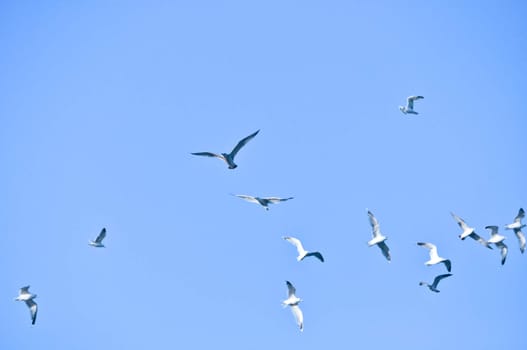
{"x":102,"y":102}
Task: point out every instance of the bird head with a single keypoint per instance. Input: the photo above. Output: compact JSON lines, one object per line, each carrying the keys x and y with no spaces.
{"x":401,"y":108}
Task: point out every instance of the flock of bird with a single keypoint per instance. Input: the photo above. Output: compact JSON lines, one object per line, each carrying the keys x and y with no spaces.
{"x":378,"y":238}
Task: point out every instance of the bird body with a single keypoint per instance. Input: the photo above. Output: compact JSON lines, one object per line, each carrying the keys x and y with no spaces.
{"x":292,"y":301}
{"x":467,"y":231}
{"x":409,"y":108}
{"x":27,"y":297}
{"x":229,"y":157}
{"x":434,"y":257}
{"x":302,"y":253}
{"x":378,"y":239}
{"x":433,"y":286}
{"x":498,"y":239}
{"x":495,"y":237}
{"x":97,"y":243}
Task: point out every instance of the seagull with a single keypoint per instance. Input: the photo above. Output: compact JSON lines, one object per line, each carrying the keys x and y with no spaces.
{"x":433,"y":286}
{"x":293,"y":301}
{"x":498,"y":239}
{"x":302,"y":253}
{"x":469,"y":231}
{"x":263,"y":201}
{"x":98,"y":241}
{"x":409,"y":108}
{"x":434,"y":257}
{"x":517,"y":221}
{"x":378,"y":238}
{"x":229,"y":157}
{"x":517,"y":226}
{"x":25,"y":295}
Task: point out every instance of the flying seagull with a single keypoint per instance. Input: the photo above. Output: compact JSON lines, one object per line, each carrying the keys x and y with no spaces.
{"x":469,"y":231}
{"x":517,"y":226}
{"x":263,"y":201}
{"x":229,"y":157}
{"x":25,"y":295}
{"x":292,"y":301}
{"x":98,"y":241}
{"x":434,"y":257}
{"x":433,"y":286}
{"x":498,"y":239}
{"x":378,"y":238}
{"x":409,"y":108}
{"x":302,"y":253}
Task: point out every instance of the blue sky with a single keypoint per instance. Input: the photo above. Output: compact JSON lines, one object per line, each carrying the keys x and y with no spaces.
{"x":102,"y":102}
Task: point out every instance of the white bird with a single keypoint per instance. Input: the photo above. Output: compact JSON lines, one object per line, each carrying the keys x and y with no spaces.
{"x":292,"y":301}
{"x":27,"y":297}
{"x":498,"y":239}
{"x":229,"y":157}
{"x":469,"y":231}
{"x":433,"y":286}
{"x":434,"y":257}
{"x":98,"y":241}
{"x":302,"y":253}
{"x":517,"y":226}
{"x":409,"y":108}
{"x":263,"y":201}
{"x":378,"y":238}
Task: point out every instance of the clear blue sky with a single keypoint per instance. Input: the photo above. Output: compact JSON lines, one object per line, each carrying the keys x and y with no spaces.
{"x":102,"y":102}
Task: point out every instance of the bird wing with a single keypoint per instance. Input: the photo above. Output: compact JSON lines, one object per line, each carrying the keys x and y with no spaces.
{"x":439,"y":278}
{"x":299,"y":317}
{"x":101,"y":236}
{"x":448,"y":264}
{"x":478,"y":238}
{"x":385,"y":250}
{"x":520,"y":216}
{"x":493,"y":230}
{"x":503,"y":250}
{"x":23,"y":290}
{"x":317,"y":255}
{"x":410,"y":101}
{"x":460,"y":222}
{"x":247,"y":198}
{"x":290,"y":289}
{"x":521,"y":239}
{"x":208,"y":154}
{"x":296,"y":242}
{"x":276,"y":199}
{"x":242,"y":143}
{"x":374,"y":224}
{"x":432,"y":249}
{"x":33,"y":308}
